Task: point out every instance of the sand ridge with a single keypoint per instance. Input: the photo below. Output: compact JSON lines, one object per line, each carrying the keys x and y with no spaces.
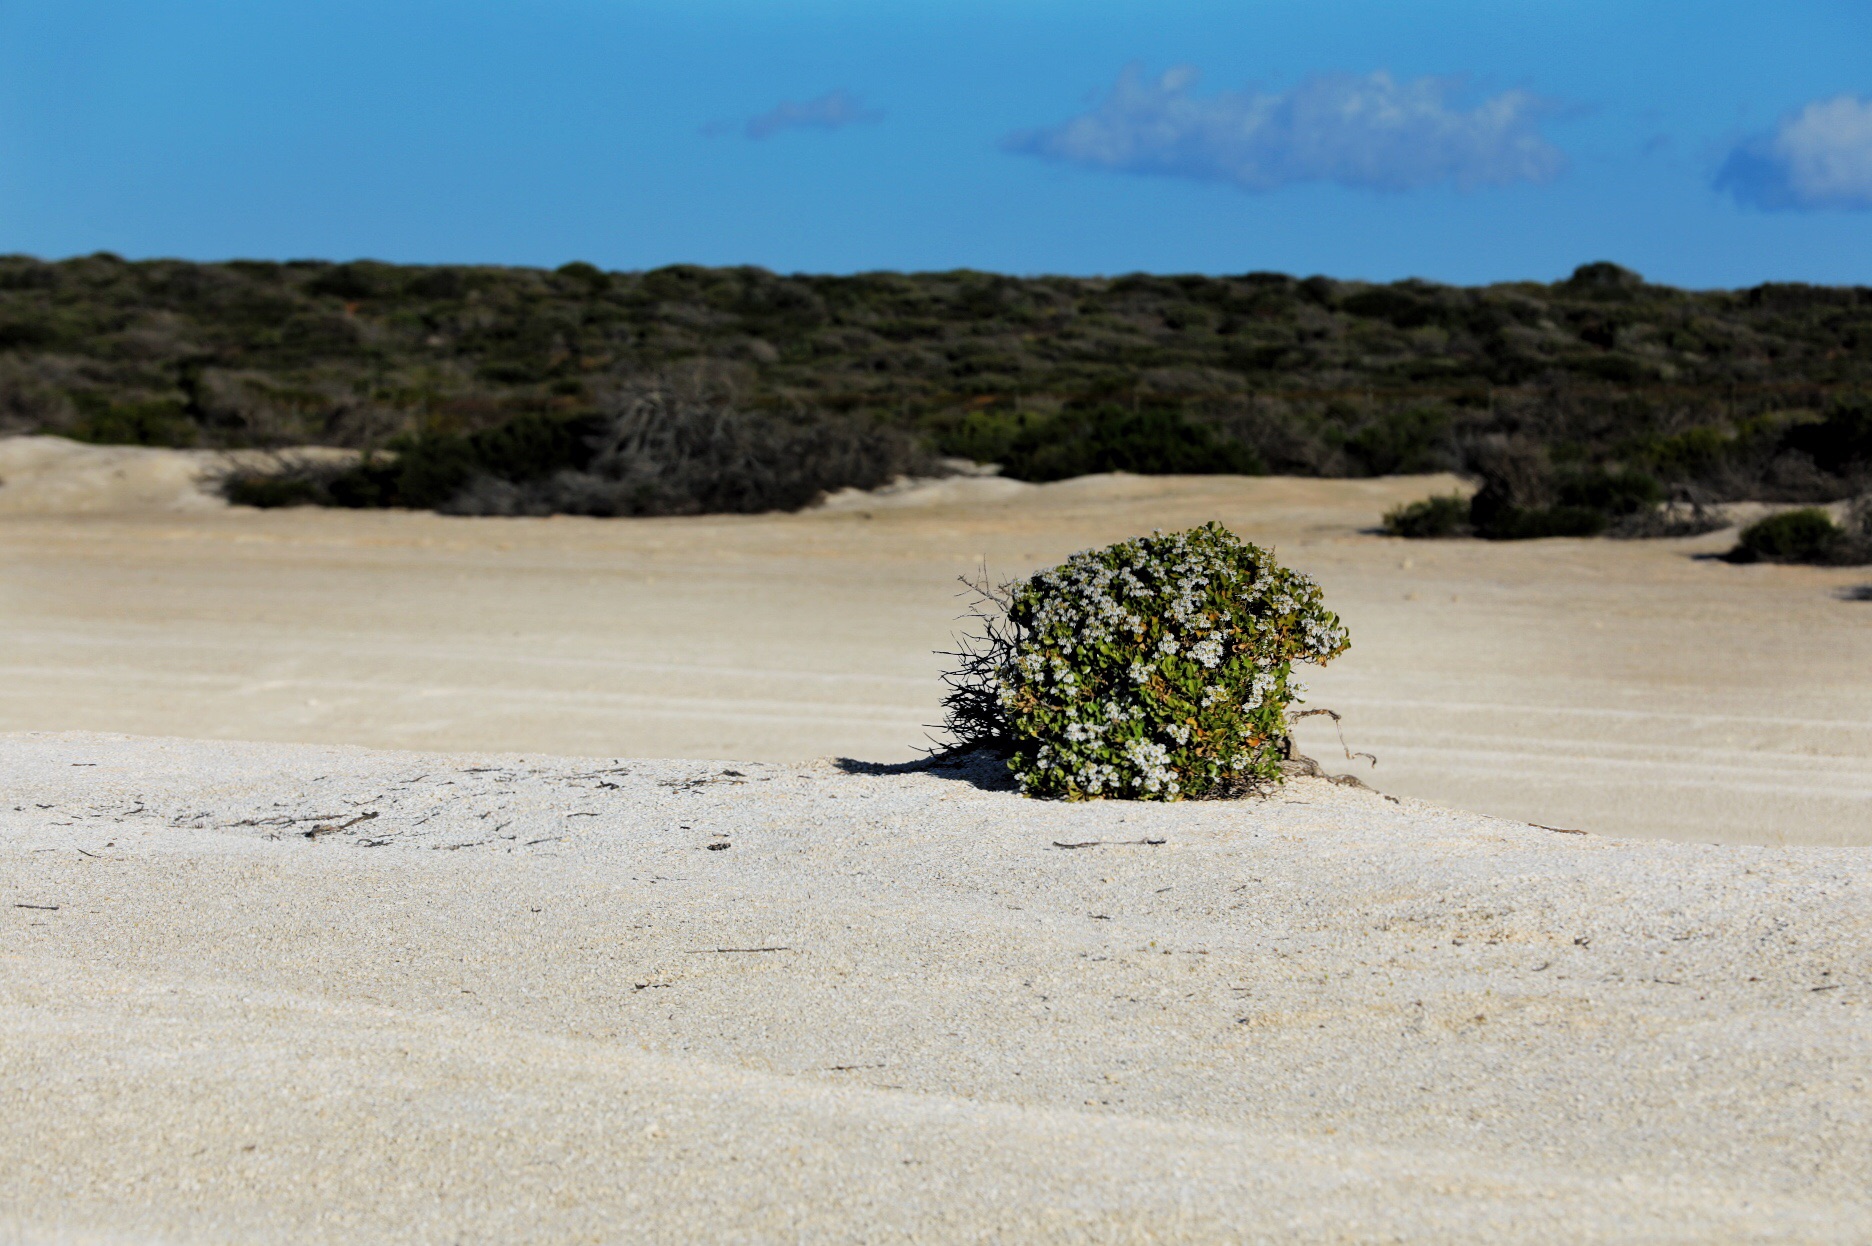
{"x":315,"y":994}
{"x":57,"y":476}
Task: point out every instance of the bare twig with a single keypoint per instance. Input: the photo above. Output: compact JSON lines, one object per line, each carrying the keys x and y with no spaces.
{"x":334,"y":827}
{"x":973,"y":716}
{"x":1106,"y":843}
{"x":1334,"y":715}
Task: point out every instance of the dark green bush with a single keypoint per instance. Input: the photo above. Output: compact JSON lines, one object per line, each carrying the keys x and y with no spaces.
{"x":986,"y":436}
{"x":286,"y":480}
{"x":658,"y":451}
{"x":664,"y":451}
{"x":159,"y":422}
{"x":1805,"y":535}
{"x":1154,"y":669}
{"x":1518,"y":524}
{"x":1690,"y":454}
{"x":1840,"y":441}
{"x":269,"y":491}
{"x":1589,"y":501}
{"x":1615,"y":494}
{"x":1400,"y":442}
{"x":1150,"y":442}
{"x":429,"y":471}
{"x":1430,"y":518}
{"x":1523,"y":498}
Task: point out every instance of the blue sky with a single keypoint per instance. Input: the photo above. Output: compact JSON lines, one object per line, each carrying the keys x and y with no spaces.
{"x":1704,"y":144}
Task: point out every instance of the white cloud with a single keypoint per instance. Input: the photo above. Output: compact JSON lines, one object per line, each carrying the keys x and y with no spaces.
{"x":1373,"y":132}
{"x":831,"y":111}
{"x":1820,"y":157}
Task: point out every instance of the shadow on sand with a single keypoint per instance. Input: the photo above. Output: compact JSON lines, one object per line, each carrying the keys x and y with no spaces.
{"x":982,"y":768}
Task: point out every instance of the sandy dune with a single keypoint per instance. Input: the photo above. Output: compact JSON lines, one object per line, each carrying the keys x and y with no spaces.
{"x":54,"y":476}
{"x":299,"y":994}
{"x":293,"y":992}
{"x":1620,"y":687}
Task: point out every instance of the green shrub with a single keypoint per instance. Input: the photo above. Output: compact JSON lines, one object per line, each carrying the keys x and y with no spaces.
{"x":1690,"y":454}
{"x":287,"y":479}
{"x":1616,"y":494}
{"x":270,"y":491}
{"x":657,"y":451}
{"x":1805,"y":535}
{"x":1158,"y":668}
{"x":1588,"y":502}
{"x":426,"y":471}
{"x":162,"y":422}
{"x":1430,"y":518}
{"x":1406,"y":441}
{"x":1150,"y":442}
{"x":1518,"y":524}
{"x":531,"y":447}
{"x":1840,"y":442}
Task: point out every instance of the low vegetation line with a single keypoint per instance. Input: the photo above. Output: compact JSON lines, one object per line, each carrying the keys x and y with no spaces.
{"x":1597,"y":403}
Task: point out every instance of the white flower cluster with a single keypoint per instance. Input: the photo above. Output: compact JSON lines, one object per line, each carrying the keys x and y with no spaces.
{"x":1152,"y":762}
{"x":1095,"y":777}
{"x":1265,"y":682}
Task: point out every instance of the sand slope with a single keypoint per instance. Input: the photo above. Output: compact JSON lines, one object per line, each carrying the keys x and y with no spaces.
{"x":56,"y":476}
{"x":265,"y":993}
{"x":1617,"y":686}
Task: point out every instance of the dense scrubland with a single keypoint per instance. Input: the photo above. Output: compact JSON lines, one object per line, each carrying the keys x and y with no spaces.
{"x":1577,"y":405}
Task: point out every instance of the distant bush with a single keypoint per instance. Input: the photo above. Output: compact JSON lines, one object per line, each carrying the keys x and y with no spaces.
{"x":1158,"y":668}
{"x":1517,"y":524}
{"x":1808,"y":535}
{"x":431,"y":471}
{"x":1842,"y":440}
{"x":1149,"y":442}
{"x":1805,"y":535}
{"x":1581,"y":502}
{"x":658,"y":447}
{"x":1430,"y":518}
{"x":1688,"y":455}
{"x":1412,"y":440}
{"x":670,"y":448}
{"x":275,"y":488}
{"x":1685,"y":514}
{"x":1586,"y":502}
{"x":161,"y":422}
{"x":1613,"y":493}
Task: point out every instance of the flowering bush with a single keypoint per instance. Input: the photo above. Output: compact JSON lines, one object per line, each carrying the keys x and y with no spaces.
{"x":1154,"y":669}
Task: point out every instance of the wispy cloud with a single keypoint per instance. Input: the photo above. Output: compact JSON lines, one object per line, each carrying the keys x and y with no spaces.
{"x":1372,"y":132}
{"x":832,"y":111}
{"x":1819,"y":157}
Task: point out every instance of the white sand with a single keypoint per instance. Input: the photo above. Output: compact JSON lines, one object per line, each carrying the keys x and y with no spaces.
{"x":1622,"y":687}
{"x":519,"y":1000}
{"x":55,"y":476}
